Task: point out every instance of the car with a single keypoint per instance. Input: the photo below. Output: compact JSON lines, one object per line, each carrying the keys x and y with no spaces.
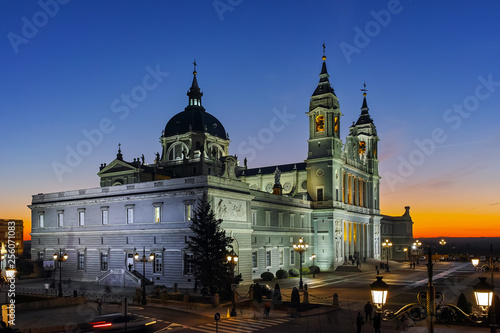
{"x":482,"y":258}
{"x":116,"y":322}
{"x":423,"y":258}
{"x":442,"y":258}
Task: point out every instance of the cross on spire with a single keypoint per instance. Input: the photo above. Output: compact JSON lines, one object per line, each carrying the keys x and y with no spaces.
{"x":324,"y":49}
{"x":194,"y":64}
{"x":364,"y":90}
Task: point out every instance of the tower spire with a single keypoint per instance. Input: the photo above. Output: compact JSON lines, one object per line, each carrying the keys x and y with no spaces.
{"x":324,"y":83}
{"x":364,"y":117}
{"x":194,"y":92}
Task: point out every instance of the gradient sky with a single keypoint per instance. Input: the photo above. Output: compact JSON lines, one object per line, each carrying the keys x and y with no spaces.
{"x":431,"y":70}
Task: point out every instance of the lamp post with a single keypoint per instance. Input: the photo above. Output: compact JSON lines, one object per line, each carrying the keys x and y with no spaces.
{"x":60,"y":258}
{"x":233,"y":261}
{"x":426,"y":307}
{"x":386,"y":245}
{"x":415,"y":246}
{"x":405,"y":250}
{"x":483,"y":287}
{"x":313,"y":257}
{"x":300,"y":248}
{"x":144,"y":260}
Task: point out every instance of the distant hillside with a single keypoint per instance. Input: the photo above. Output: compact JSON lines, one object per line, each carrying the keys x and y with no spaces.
{"x":464,"y":245}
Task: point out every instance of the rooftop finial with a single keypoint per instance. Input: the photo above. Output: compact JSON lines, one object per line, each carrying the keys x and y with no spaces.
{"x":194,"y":63}
{"x":119,"y":148}
{"x":324,"y":48}
{"x":364,"y":90}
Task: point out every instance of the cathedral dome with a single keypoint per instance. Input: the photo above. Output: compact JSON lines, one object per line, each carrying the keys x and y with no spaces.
{"x":194,"y":120}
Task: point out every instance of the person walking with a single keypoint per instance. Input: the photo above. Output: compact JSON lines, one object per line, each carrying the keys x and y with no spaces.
{"x":376,"y":323}
{"x":359,"y":322}
{"x":368,"y":311}
{"x":267,"y":308}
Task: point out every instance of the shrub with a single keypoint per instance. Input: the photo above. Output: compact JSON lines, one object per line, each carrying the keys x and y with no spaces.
{"x":267,"y":276}
{"x":281,"y":274}
{"x":314,"y":269}
{"x":293,"y":272}
{"x":305,"y":271}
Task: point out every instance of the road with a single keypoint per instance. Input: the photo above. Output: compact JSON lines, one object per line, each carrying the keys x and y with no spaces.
{"x":450,"y":278}
{"x":352,"y":288}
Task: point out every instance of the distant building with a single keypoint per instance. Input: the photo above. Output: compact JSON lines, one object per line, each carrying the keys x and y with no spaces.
{"x":399,"y":231}
{"x":331,"y":200}
{"x":15,"y":237}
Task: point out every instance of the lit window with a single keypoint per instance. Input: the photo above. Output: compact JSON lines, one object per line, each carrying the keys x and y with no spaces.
{"x":281,"y":252}
{"x":292,"y":257}
{"x":254,"y":217}
{"x":41,"y":220}
{"x":336,"y":124}
{"x":362,"y":147}
{"x":320,"y":123}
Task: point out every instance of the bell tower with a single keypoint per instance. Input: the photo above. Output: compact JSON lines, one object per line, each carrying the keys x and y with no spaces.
{"x":324,"y":144}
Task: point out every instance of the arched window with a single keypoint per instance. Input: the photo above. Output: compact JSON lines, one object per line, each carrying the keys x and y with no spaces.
{"x":174,"y":153}
{"x":320,"y":123}
{"x":215,"y":151}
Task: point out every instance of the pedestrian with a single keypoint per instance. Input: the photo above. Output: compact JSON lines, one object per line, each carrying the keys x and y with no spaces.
{"x":359,"y":322}
{"x":376,"y":268}
{"x":376,"y":323}
{"x":267,"y":308}
{"x":358,"y":263}
{"x":130,"y":267}
{"x":368,"y":311}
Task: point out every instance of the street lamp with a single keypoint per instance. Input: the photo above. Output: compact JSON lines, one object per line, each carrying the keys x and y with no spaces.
{"x":386,"y":245}
{"x":300,"y":248}
{"x":144,"y":260}
{"x":60,"y":257}
{"x":405,"y":250}
{"x":313,"y":257}
{"x":379,"y":291}
{"x":233,"y":261}
{"x":426,"y":307}
{"x":483,"y":295}
{"x":415,"y":246}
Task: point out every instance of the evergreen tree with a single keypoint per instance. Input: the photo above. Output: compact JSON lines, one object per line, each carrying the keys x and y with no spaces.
{"x":210,"y":247}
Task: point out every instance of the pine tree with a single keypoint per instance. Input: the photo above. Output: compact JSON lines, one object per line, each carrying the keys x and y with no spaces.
{"x":210,"y":247}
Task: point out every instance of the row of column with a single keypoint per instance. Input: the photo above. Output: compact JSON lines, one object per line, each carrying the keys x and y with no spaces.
{"x":355,"y":190}
{"x":356,"y":240}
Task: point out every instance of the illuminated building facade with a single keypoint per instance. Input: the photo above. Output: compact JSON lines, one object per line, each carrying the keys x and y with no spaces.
{"x":331,"y":200}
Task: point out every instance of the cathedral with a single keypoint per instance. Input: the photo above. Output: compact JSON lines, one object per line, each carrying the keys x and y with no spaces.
{"x":330,"y":199}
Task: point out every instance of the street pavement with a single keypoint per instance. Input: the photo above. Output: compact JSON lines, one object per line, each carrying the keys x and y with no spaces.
{"x":352,"y":289}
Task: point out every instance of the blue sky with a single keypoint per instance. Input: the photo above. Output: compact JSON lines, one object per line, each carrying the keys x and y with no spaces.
{"x":431,"y":69}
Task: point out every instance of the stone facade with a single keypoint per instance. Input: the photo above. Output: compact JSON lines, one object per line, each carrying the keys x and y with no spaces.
{"x":331,"y":200}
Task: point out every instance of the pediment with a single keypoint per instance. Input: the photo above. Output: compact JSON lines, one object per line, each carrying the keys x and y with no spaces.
{"x":117,"y":167}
